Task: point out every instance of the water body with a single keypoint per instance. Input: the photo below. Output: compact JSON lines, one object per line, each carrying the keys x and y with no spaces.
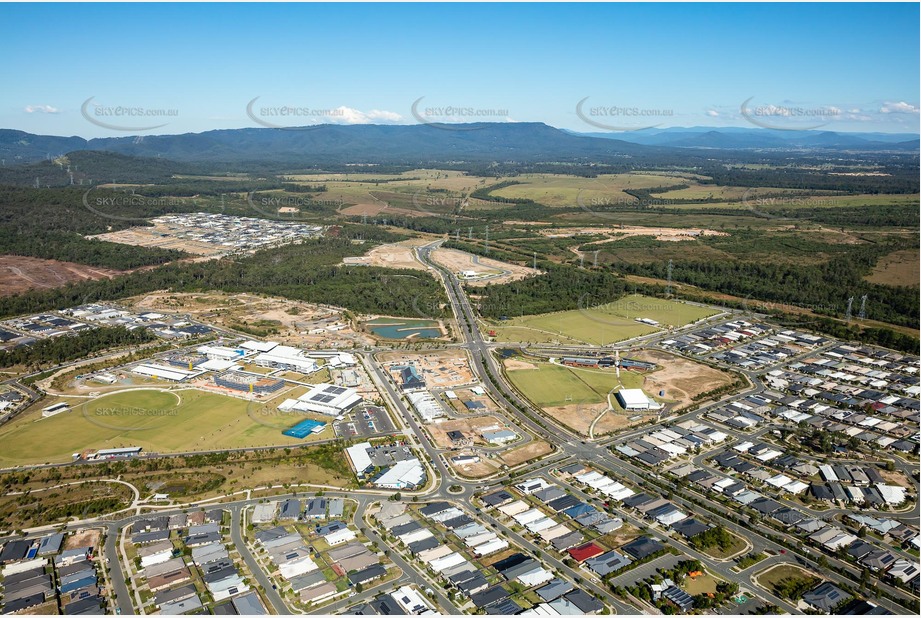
{"x":393,"y":328}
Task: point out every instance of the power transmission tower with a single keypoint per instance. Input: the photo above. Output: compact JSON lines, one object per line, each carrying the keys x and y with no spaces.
{"x":595,"y":259}
{"x":535,"y":263}
{"x":850,"y":304}
{"x":469,"y":233}
{"x":863,"y":307}
{"x":581,"y":259}
{"x":668,"y":285}
{"x":487,"y":239}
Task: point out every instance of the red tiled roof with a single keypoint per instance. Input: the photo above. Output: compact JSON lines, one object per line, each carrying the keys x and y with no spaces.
{"x":586,"y":551}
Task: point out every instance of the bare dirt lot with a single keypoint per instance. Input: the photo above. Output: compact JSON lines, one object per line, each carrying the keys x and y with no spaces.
{"x":615,"y":421}
{"x":579,"y":417}
{"x":470,"y":427}
{"x":660,"y":233}
{"x":512,"y":364}
{"x":82,"y":538}
{"x":445,"y":368}
{"x":398,"y":255}
{"x":159,"y":236}
{"x":528,"y":452}
{"x":20,"y":274}
{"x":488,"y":271}
{"x":681,"y":379}
{"x":576,"y":416}
{"x":477,"y":470}
{"x":285,"y":321}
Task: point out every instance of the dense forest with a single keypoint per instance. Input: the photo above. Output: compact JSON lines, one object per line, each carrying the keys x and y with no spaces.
{"x":307,"y":271}
{"x":562,"y":288}
{"x":824,"y":288}
{"x":57,"y":350}
{"x":51,"y":224}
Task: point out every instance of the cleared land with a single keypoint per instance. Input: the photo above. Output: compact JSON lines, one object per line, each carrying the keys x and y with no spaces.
{"x":680,"y":378}
{"x":285,"y":321}
{"x":470,"y":427}
{"x":398,"y":255}
{"x":528,"y":452}
{"x":487,"y":270}
{"x":477,"y":470}
{"x":19,"y":274}
{"x":623,"y":231}
{"x":601,"y":324}
{"x":898,"y":268}
{"x":445,"y":368}
{"x":157,"y":421}
{"x":161,"y":236}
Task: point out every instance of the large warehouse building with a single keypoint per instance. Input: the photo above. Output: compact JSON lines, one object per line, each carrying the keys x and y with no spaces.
{"x":634,"y":399}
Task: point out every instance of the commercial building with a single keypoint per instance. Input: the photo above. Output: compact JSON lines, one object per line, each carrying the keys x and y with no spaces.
{"x":406,"y":474}
{"x":287,"y":358}
{"x":326,"y":399}
{"x":248,"y":382}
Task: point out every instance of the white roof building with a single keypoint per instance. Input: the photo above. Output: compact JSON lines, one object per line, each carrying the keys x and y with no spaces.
{"x":258,"y":346}
{"x":535,"y":578}
{"x":633,"y":399}
{"x":162,"y":371}
{"x":287,"y":357}
{"x":339,"y":536}
{"x":327,"y":399}
{"x":490,"y":548}
{"x":221,"y":352}
{"x":264,"y":513}
{"x":425,"y":405}
{"x":403,"y":474}
{"x":358,"y":456}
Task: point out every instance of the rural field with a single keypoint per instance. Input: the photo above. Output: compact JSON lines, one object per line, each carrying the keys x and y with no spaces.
{"x":601,"y":324}
{"x":159,"y":421}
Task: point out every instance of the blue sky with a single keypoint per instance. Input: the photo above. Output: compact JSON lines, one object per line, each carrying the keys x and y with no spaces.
{"x":68,"y":69}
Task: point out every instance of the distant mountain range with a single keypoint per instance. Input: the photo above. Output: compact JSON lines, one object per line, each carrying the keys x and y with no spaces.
{"x":738,"y":138}
{"x":337,"y":143}
{"x":413,"y":144}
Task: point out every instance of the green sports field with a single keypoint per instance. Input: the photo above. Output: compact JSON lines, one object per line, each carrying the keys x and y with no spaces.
{"x":157,"y":421}
{"x":602,"y":324}
{"x":555,"y":385}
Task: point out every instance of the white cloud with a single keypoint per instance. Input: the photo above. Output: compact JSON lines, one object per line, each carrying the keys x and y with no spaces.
{"x":381,"y":114}
{"x":898,"y":108}
{"x":349,"y":115}
{"x":713,"y":113}
{"x":41,"y":109}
